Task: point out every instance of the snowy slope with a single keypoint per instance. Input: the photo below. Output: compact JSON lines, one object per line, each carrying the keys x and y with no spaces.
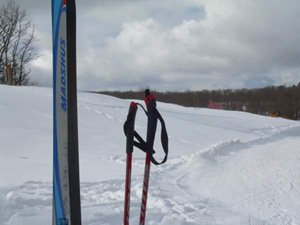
{"x":225,"y":168}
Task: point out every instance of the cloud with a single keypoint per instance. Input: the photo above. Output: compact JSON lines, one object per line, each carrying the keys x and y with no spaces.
{"x":229,"y":48}
{"x":42,"y":66}
{"x":187,"y":44}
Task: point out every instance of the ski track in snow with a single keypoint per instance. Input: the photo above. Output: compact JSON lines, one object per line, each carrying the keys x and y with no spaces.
{"x":173,"y":202}
{"x":283,"y":209}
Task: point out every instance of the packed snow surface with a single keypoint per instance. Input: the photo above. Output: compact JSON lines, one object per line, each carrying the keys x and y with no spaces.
{"x":224,"y":167}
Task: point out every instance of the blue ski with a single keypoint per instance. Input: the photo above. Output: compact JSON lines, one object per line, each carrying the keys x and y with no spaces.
{"x":66,"y":185}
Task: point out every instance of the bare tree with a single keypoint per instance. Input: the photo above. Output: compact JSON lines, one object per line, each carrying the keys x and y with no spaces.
{"x":16,"y":44}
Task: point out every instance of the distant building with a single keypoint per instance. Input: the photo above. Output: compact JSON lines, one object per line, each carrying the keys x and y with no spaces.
{"x":273,"y":114}
{"x":214,"y":105}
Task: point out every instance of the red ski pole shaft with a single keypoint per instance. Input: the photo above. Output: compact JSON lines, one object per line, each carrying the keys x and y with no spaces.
{"x":129,"y":131}
{"x":127,"y":189}
{"x":145,"y":190}
{"x":151,"y":129}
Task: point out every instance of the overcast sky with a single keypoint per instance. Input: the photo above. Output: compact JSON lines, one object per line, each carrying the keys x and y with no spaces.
{"x":176,"y":44}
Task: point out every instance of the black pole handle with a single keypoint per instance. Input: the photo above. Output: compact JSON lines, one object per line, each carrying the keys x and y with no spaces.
{"x":152,"y":119}
{"x":153,"y":116}
{"x":129,"y":127}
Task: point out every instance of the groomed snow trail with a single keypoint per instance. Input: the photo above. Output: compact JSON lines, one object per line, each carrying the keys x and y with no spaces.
{"x":225,"y":168}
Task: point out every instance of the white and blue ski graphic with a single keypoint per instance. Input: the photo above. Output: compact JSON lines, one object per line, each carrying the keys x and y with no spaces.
{"x":66,"y":195}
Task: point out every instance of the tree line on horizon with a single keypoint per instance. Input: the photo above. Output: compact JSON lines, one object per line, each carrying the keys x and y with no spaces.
{"x":276,"y":101}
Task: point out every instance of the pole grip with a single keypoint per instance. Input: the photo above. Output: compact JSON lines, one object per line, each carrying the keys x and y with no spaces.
{"x":129,"y":127}
{"x":152,"y":119}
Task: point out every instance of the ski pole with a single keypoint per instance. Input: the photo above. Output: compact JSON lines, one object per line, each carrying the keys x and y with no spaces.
{"x":146,"y":146}
{"x":129,"y":149}
{"x":151,"y":129}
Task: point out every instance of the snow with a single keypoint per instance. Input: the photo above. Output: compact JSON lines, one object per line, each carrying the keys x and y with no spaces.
{"x":224,"y":167}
